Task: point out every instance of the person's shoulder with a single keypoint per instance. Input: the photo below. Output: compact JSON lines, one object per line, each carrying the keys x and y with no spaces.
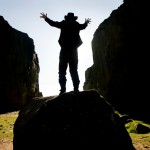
{"x":63,"y":22}
{"x":77,"y":22}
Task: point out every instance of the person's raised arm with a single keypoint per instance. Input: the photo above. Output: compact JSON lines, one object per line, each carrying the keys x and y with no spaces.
{"x":87,"y":21}
{"x":85,"y":24}
{"x":49,"y":21}
{"x":44,"y":16}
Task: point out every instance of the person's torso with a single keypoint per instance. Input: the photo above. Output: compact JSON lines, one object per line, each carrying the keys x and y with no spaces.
{"x":69,"y":36}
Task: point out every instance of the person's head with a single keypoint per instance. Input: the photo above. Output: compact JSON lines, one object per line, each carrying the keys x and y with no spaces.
{"x":70,"y":16}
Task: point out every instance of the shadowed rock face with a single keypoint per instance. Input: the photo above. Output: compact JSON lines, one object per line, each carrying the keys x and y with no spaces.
{"x":19,"y":68}
{"x":120,"y":70}
{"x":73,"y":120}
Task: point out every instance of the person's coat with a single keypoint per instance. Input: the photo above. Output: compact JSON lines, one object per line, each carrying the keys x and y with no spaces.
{"x":70,"y":32}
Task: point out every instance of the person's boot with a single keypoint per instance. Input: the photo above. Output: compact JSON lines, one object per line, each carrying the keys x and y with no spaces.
{"x":62,"y":91}
{"x":76,"y":87}
{"x":62,"y":86}
{"x":76,"y":90}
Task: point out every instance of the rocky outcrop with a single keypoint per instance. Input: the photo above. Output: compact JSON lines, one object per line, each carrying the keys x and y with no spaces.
{"x":72,"y":120}
{"x":120,"y":70}
{"x":19,"y":68}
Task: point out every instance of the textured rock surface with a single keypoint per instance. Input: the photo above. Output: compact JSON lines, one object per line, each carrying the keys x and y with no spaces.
{"x":19,"y":68}
{"x":120,"y":70}
{"x":73,"y":120}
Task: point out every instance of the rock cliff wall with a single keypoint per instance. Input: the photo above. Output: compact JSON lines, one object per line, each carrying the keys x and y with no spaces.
{"x":19,"y":68}
{"x":120,"y":53}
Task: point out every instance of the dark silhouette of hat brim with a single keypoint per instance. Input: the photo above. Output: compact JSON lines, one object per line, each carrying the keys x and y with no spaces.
{"x":71,"y":18}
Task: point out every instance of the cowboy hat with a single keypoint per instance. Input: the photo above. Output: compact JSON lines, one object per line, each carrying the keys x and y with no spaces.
{"x":70,"y":16}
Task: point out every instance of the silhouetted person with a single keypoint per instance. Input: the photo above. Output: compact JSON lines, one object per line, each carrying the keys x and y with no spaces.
{"x":69,"y":41}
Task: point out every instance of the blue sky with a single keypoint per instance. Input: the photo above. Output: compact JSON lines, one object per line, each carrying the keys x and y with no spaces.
{"x":24,"y":15}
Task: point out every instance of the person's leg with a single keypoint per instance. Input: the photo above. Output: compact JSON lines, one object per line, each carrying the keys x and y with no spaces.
{"x":62,"y":72}
{"x":73,"y":68}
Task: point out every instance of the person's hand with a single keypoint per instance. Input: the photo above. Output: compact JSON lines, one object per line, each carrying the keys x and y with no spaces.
{"x":43,"y":15}
{"x":87,"y":21}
